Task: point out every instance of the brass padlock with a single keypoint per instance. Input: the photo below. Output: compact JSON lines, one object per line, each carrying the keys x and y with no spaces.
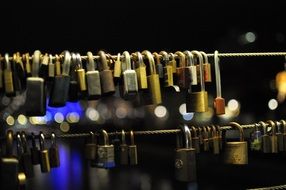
{"x":173,"y":62}
{"x":81,"y":75}
{"x":92,"y":79}
{"x":44,"y":155}
{"x":183,"y":74}
{"x":273,"y":137}
{"x":159,"y":66}
{"x":236,"y":152}
{"x":192,"y":68}
{"x":27,"y":65}
{"x":153,"y":80}
{"x":51,"y":67}
{"x":140,"y":69}
{"x":266,"y":141}
{"x":207,"y":68}
{"x":279,"y":134}
{"x":219,"y":102}
{"x":167,"y":69}
{"x":132,"y":150}
{"x":129,"y":76}
{"x":106,"y":76}
{"x":198,"y":101}
{"x":117,"y":67}
{"x":8,"y":77}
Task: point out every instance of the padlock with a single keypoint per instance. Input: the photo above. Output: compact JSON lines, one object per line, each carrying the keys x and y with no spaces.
{"x":168,"y":70}
{"x":44,"y":155}
{"x":57,"y":65}
{"x":140,"y":69}
{"x":236,"y":152}
{"x":44,"y":67}
{"x":105,"y":153}
{"x":51,"y":67}
{"x":173,"y":62}
{"x":219,"y":102}
{"x":54,"y":156}
{"x":283,"y":123}
{"x":117,"y":67}
{"x":132,"y":150}
{"x":1,"y":75}
{"x":90,"y":149}
{"x":198,"y":101}
{"x":192,"y":68}
{"x":19,"y":73}
{"x":207,"y":68}
{"x":215,"y":140}
{"x":185,"y":158}
{"x":183,"y":74}
{"x":153,"y":80}
{"x":273,"y":137}
{"x":106,"y":76}
{"x":73,"y":93}
{"x":279,"y":134}
{"x":92,"y":79}
{"x":123,"y":150}
{"x":35,"y":103}
{"x":129,"y":76}
{"x":220,"y":136}
{"x":81,"y":75}
{"x":195,"y":139}
{"x":9,"y":166}
{"x":27,"y":64}
{"x":256,"y":139}
{"x":159,"y":66}
{"x":35,"y":152}
{"x":206,"y":139}
{"x":26,"y":160}
{"x":266,"y":141}
{"x":60,"y":87}
{"x":8,"y":77}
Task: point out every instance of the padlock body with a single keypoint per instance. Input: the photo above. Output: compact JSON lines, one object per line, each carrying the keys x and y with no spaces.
{"x":9,"y":169}
{"x":54,"y":157}
{"x":51,"y":70}
{"x":73,"y":94}
{"x":132,"y":154}
{"x":107,"y":83}
{"x":8,"y":83}
{"x":280,"y":142}
{"x":26,"y":162}
{"x":44,"y":161}
{"x":59,"y":91}
{"x":35,"y":103}
{"x":123,"y":154}
{"x":142,"y":77}
{"x":274,"y":143}
{"x":168,"y":76}
{"x":130,"y":82}
{"x":160,"y":70}
{"x":105,"y":156}
{"x":185,"y":165}
{"x":117,"y":69}
{"x":193,"y":74}
{"x":90,"y":151}
{"x":236,"y":153}
{"x":35,"y":155}
{"x":266,"y":144}
{"x":197,"y":101}
{"x":215,"y":145}
{"x":81,"y":79}
{"x":219,"y":105}
{"x":183,"y":78}
{"x":93,"y":85}
{"x":207,"y":72}
{"x":154,"y":86}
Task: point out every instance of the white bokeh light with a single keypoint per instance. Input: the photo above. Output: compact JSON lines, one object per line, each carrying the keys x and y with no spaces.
{"x":160,"y":111}
{"x":272,"y":104}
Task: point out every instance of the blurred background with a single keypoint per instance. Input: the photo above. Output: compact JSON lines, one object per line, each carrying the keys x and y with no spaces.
{"x":248,"y":84}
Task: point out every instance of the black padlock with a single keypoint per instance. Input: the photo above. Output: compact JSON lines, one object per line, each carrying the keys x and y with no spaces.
{"x":185,"y":158}
{"x":106,"y":76}
{"x":35,"y":152}
{"x":73,"y":86}
{"x":132,"y":150}
{"x":54,"y":156}
{"x":44,"y":67}
{"x":19,"y":73}
{"x":44,"y":155}
{"x":23,"y":156}
{"x":123,"y":149}
{"x":90,"y":149}
{"x":35,"y":103}
{"x":60,"y":88}
{"x":9,"y":166}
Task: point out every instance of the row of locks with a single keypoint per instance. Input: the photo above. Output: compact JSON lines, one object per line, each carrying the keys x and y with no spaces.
{"x":70,"y":78}
{"x":102,"y":152}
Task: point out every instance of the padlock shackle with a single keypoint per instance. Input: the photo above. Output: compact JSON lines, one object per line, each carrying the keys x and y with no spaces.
{"x":45,"y":60}
{"x":165,"y":58}
{"x":156,"y":58}
{"x":189,"y":58}
{"x":126,"y":60}
{"x":53,"y":139}
{"x":182,"y":58}
{"x":132,"y":141}
{"x":42,"y":141}
{"x":36,"y":63}
{"x":140,"y":61}
{"x":214,"y":131}
{"x":9,"y":143}
{"x":33,"y":138}
{"x":151,"y":61}
{"x":66,"y":63}
{"x":57,"y":65}
{"x":105,"y":137}
{"x":7,"y":62}
{"x":123,"y":137}
{"x":73,"y":66}
{"x":90,"y":66}
{"x":273,"y":127}
{"x":205,"y":57}
{"x":264,"y":127}
{"x":24,"y":141}
{"x":51,"y":59}
{"x":202,"y":78}
{"x":79,"y":61}
{"x":283,"y":123}
{"x":238,"y":126}
{"x":92,"y":138}
{"x":20,"y":147}
{"x":194,"y":131}
{"x":217,"y":74}
{"x":187,"y":136}
{"x":103,"y":61}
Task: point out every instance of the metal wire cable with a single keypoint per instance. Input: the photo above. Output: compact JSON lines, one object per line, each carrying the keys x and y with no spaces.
{"x":279,"y":187}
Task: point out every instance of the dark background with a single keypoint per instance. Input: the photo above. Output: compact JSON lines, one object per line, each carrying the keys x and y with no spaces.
{"x":116,"y":26}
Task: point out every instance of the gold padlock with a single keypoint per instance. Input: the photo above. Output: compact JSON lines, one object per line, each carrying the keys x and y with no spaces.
{"x":236,"y":152}
{"x":140,"y":69}
{"x":173,"y":62}
{"x":198,"y":101}
{"x":168,"y":70}
{"x":153,"y":79}
{"x":219,"y":102}
{"x":207,"y":68}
